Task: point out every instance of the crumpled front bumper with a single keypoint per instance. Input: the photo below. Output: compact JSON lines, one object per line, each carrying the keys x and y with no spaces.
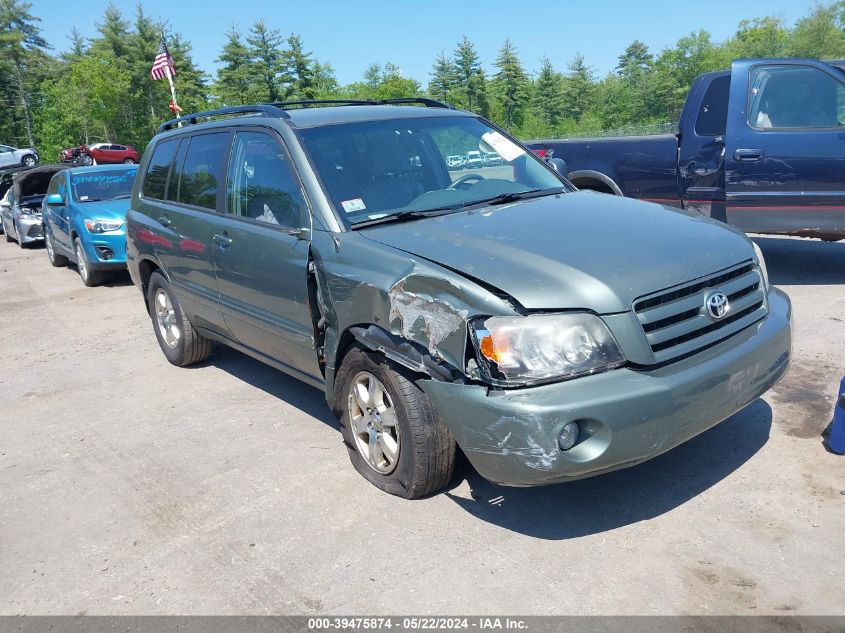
{"x":625,"y":416}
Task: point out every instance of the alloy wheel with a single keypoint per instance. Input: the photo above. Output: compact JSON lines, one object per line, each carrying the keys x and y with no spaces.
{"x":374,"y":422}
{"x":166,"y":319}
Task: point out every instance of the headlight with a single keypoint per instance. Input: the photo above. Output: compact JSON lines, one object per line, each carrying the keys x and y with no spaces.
{"x":761,"y":262}
{"x":102,"y":226}
{"x":528,"y":349}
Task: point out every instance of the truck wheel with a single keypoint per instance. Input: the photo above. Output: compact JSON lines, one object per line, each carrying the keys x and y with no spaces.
{"x":55,"y":259}
{"x":394,"y":436}
{"x":89,"y":276}
{"x":180,"y":342}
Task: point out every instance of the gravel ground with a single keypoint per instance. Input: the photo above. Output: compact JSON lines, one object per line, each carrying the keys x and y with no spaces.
{"x":128,"y":486}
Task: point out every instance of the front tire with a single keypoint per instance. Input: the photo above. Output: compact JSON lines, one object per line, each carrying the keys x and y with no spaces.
{"x":29,"y":161}
{"x":393,"y":434}
{"x":89,"y":276}
{"x":179,"y":341}
{"x":55,"y":259}
{"x":87,"y":160}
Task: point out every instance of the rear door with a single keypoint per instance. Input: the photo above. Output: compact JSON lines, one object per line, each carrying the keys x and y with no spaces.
{"x":7,"y":156}
{"x":785,"y":148}
{"x":184,"y":201}
{"x":261,"y":252}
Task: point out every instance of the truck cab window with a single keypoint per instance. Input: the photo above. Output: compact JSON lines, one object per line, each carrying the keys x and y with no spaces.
{"x":795,"y":97}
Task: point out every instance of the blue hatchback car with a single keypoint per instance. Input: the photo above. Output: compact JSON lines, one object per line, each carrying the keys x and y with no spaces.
{"x":84,"y":214}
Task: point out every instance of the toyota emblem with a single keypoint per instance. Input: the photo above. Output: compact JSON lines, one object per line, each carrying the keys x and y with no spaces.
{"x":717,"y":305}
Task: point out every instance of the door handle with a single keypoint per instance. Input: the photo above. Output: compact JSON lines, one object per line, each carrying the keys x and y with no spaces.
{"x":221,"y":239}
{"x":747,"y":155}
{"x":164,"y":220}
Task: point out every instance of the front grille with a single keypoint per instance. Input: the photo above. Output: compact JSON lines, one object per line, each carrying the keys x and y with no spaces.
{"x":36,"y":230}
{"x":676,"y":322}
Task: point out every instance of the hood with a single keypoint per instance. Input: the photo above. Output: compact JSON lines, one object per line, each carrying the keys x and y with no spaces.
{"x":104,"y":209}
{"x":576,"y":250}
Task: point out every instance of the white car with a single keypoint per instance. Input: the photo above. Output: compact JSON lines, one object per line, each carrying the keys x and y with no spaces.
{"x":474,"y":159}
{"x":12,"y":157}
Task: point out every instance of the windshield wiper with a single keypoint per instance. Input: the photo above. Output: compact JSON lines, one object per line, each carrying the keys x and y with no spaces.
{"x":513,"y":196}
{"x":92,"y":200}
{"x":122,"y":196}
{"x":403,"y":216}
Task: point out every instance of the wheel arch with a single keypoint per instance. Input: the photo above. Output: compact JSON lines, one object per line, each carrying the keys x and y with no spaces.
{"x":594,"y":181}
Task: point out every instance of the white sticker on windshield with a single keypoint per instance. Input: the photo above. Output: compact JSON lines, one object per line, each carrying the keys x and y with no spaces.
{"x":506,"y":148}
{"x":351,"y":206}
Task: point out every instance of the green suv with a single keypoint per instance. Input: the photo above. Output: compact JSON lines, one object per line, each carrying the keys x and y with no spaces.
{"x":548,"y":333}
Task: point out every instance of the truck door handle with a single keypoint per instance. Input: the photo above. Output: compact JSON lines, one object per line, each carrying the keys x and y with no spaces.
{"x":747,"y":155}
{"x":221,"y":239}
{"x":164,"y":220}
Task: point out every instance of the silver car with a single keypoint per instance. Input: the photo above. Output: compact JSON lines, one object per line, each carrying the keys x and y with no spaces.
{"x":12,"y":156}
{"x":21,"y":215}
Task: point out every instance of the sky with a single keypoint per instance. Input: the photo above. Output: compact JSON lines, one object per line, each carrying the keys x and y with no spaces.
{"x":351,"y":35}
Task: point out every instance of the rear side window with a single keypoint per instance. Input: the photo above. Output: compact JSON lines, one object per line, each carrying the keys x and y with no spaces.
{"x":155,"y":179}
{"x":713,"y":115}
{"x":203,"y":170}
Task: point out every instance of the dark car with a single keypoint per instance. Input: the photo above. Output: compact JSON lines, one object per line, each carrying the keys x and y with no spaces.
{"x":550,"y":334}
{"x":758,"y":146}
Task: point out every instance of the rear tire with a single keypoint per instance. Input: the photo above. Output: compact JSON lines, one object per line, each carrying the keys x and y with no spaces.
{"x":29,"y":161}
{"x":128,"y":161}
{"x":55,"y":259}
{"x":179,"y":341}
{"x":426,"y":449}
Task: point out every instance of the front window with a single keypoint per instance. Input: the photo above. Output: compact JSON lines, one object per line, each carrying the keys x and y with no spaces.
{"x":792,"y":96}
{"x":95,"y":186}
{"x":381,"y":169}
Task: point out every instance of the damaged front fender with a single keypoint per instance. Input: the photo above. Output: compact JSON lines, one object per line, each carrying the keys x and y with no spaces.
{"x":412,"y":310}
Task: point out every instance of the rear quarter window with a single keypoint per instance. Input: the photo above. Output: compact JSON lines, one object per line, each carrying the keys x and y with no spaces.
{"x":155,"y":178}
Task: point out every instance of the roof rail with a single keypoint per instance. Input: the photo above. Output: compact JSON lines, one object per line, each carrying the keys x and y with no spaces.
{"x":266,"y":110}
{"x":428,"y":103}
{"x":305,"y":103}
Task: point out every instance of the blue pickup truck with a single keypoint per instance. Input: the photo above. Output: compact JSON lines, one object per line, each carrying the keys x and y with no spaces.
{"x":760,"y":146}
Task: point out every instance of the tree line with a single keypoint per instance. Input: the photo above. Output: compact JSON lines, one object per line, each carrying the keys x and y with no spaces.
{"x":99,"y":89}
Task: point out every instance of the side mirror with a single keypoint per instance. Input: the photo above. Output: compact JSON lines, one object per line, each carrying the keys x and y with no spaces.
{"x":55,"y":198}
{"x":559,"y":165}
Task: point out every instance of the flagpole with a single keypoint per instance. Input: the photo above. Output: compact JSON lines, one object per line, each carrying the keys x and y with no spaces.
{"x":172,"y":87}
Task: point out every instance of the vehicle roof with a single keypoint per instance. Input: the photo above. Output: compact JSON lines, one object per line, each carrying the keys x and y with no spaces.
{"x":328,"y":115}
{"x":50,"y":167}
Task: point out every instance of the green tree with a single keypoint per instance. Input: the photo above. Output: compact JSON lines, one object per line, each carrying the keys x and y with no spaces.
{"x":760,"y":37}
{"x":22,"y":50}
{"x":444,"y":79}
{"x":300,"y":70}
{"x":471,"y":84}
{"x":234,"y":85}
{"x":820,"y":34}
{"x":577,"y":88}
{"x":267,"y":64}
{"x":635,"y":61}
{"x":510,"y":86}
{"x":548,"y":95}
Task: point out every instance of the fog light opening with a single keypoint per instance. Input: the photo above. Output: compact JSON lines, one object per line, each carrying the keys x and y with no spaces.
{"x":568,"y":436}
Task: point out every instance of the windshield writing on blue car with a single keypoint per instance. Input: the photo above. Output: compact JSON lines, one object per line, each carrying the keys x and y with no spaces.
{"x":102,"y":185}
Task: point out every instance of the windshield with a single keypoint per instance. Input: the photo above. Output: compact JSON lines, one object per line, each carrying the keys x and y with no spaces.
{"x":380,"y":169}
{"x":102,"y":185}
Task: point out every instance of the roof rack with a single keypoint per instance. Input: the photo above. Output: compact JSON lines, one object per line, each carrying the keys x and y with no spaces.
{"x":277,"y":109}
{"x":264,"y":109}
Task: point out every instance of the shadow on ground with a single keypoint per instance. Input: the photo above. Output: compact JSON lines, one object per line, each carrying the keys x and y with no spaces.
{"x":607,"y":502}
{"x":799,"y":262}
{"x":563,"y":511}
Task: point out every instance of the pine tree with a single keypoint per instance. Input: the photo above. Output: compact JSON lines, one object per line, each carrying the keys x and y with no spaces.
{"x":470,"y":81}
{"x":21,"y":50}
{"x":300,"y":68}
{"x":577,"y":88}
{"x":234,"y":85}
{"x":635,"y":61}
{"x":266,"y":63}
{"x":443,"y":79}
{"x":548,"y":95}
{"x":510,"y":85}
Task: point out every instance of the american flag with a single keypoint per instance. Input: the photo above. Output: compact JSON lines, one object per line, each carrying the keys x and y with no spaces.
{"x":163,"y":63}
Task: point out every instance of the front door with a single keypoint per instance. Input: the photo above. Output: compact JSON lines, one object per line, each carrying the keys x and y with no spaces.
{"x":7,"y":156}
{"x":57,"y":216}
{"x":261,"y":255}
{"x":785,"y":156}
